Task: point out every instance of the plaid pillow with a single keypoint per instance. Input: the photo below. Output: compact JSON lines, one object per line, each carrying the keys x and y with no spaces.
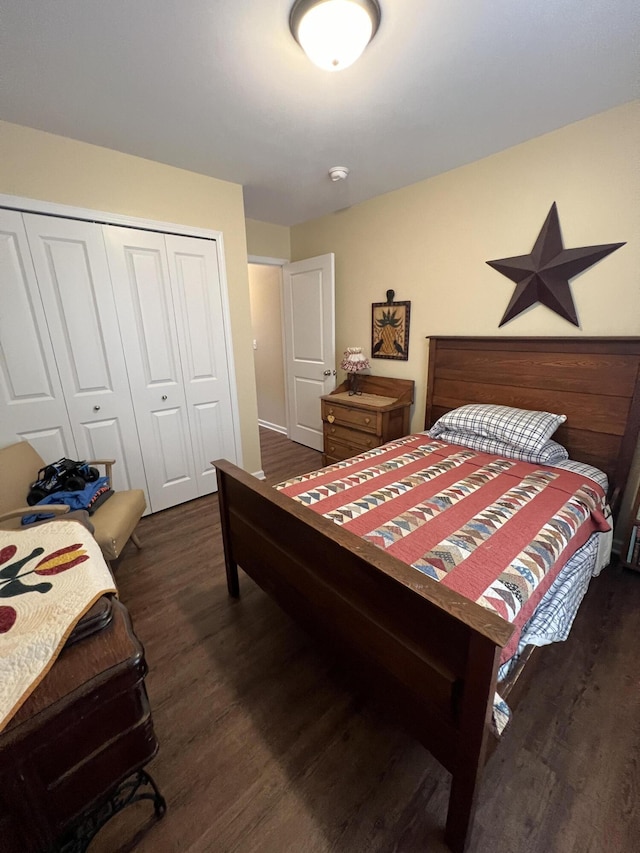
{"x":550,"y":452}
{"x":522,"y":428}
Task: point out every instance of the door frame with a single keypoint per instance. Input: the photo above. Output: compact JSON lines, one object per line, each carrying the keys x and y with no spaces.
{"x":30,"y":205}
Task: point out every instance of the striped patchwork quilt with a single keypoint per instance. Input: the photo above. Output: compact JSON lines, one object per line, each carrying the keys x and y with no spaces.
{"x":496,"y":530}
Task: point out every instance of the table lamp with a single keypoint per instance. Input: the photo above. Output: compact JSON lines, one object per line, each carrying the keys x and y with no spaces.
{"x":354,"y":361}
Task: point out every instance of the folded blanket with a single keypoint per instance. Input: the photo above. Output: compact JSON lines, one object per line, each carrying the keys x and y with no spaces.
{"x":50,"y":576}
{"x":88,"y":498}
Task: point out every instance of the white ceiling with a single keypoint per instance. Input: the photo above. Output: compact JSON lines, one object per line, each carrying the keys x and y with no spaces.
{"x":220,"y":87}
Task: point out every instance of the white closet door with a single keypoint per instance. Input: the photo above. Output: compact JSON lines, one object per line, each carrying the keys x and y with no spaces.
{"x":195,"y":280}
{"x":73,"y":276}
{"x":32,"y":405}
{"x":142,"y":288}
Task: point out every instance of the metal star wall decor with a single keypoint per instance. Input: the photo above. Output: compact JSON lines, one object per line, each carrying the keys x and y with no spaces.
{"x":543,"y":276}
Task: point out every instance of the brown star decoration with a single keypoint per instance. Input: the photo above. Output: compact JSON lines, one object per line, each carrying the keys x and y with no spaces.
{"x":543,"y":276}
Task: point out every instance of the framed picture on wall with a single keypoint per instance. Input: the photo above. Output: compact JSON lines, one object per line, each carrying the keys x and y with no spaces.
{"x":390,"y":329}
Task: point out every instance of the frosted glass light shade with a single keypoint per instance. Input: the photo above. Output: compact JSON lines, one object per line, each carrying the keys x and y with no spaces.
{"x":334,"y":33}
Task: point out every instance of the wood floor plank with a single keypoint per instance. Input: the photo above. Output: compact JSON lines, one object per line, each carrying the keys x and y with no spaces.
{"x":265,"y":747}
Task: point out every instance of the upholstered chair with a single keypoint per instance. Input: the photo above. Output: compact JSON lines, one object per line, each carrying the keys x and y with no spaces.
{"x":114,"y":521}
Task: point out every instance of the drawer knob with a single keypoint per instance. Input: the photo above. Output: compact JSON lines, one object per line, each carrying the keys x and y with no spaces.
{"x":332,"y":430}
{"x":330,"y":418}
{"x":367,"y":420}
{"x":331,"y":447}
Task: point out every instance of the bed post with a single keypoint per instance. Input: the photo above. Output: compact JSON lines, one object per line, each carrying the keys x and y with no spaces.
{"x":475,"y":719}
{"x":431,"y":375}
{"x":231,"y":567}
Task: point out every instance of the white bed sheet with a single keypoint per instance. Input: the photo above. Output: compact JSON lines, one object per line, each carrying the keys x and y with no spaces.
{"x":554,"y":616}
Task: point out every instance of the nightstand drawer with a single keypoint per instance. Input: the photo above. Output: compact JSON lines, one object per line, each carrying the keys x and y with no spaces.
{"x":348,"y":416}
{"x":351,"y":437}
{"x":335,"y":450}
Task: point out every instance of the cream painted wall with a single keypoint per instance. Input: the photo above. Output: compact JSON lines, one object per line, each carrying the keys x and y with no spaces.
{"x":52,"y":168}
{"x":265,"y":288}
{"x":429,"y":241}
{"x":265,"y":240}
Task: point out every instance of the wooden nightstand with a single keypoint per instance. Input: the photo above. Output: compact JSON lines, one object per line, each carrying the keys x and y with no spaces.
{"x":353,"y":424}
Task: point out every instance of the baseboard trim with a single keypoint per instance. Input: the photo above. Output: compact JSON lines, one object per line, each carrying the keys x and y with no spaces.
{"x":274,"y":427}
{"x":259,"y":475}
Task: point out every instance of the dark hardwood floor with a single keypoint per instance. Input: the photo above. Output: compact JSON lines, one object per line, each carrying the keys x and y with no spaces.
{"x":265,"y":749}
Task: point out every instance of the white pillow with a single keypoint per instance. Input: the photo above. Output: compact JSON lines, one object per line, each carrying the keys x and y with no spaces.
{"x":521,"y":428}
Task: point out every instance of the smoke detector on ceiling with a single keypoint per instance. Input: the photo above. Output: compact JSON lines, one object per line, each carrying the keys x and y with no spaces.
{"x":338,"y":173}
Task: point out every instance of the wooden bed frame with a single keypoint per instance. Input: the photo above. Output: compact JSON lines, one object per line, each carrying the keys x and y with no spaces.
{"x":435,"y":652}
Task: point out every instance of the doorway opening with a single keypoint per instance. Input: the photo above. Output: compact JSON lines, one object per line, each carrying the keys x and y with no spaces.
{"x":295,"y":358}
{"x":265,"y":295}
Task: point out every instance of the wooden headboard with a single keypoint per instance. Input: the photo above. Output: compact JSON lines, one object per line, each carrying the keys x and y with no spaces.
{"x":594,"y":381}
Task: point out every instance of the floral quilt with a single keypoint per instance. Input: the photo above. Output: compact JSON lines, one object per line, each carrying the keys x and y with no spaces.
{"x":50,"y":575}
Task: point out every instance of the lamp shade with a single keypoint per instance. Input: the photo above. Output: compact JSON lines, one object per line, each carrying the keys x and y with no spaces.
{"x":334,"y":33}
{"x":354,"y":360}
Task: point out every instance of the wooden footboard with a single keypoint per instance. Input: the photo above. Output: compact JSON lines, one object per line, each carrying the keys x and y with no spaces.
{"x":431,"y":649}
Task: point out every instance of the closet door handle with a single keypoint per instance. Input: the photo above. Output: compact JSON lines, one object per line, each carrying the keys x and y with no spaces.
{"x":164,"y":396}
{"x":96,"y":408}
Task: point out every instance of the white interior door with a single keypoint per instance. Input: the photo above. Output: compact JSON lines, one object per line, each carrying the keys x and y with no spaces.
{"x":197,"y":301}
{"x":32,"y":405}
{"x":73,"y":276}
{"x":309,"y":336}
{"x":140,"y":276}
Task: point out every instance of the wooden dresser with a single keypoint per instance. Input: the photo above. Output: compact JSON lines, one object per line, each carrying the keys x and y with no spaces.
{"x":353,"y":424}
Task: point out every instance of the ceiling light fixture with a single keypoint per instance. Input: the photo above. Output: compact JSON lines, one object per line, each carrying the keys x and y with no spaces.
{"x":334,"y":33}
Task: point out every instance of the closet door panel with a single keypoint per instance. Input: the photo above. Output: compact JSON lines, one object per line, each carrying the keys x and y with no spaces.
{"x":210,"y":440}
{"x":195,"y":280}
{"x":153,"y":315}
{"x":140,"y":276}
{"x":171,"y":433}
{"x":75,"y":285}
{"x":72,"y":294}
{"x":104,"y":440}
{"x":52,"y":443}
{"x":32,"y":405}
